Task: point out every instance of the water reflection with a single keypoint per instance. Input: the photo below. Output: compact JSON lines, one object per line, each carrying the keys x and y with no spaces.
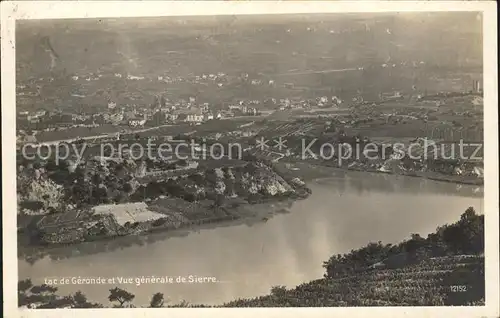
{"x":342,"y":213}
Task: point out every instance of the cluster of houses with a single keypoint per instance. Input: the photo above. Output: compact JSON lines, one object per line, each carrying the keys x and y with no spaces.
{"x":191,"y":116}
{"x":183,"y":115}
{"x":164,"y":111}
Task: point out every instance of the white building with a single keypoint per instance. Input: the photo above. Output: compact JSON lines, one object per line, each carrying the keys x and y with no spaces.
{"x":171,"y":117}
{"x":336,"y":100}
{"x":478,"y":171}
{"x":137,"y":122}
{"x":322,"y":101}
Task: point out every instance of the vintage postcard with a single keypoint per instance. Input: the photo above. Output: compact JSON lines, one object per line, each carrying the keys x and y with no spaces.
{"x":341,"y":157}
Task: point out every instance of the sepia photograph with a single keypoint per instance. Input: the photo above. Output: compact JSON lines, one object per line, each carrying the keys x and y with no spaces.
{"x":273,"y":158}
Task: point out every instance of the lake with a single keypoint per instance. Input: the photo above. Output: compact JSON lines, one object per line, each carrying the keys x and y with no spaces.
{"x":344,"y":212}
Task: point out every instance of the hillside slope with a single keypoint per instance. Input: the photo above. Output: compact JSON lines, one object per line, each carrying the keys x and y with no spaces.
{"x":434,"y":282}
{"x":444,"y":269}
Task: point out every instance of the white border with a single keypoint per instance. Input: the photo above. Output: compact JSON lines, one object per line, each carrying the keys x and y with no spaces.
{"x":10,"y":11}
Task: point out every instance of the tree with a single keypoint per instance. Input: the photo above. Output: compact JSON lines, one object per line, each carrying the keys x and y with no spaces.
{"x":127,"y":187}
{"x":416,"y":242}
{"x":79,"y":298}
{"x":197,"y":178}
{"x":121,"y":296}
{"x":51,"y":165}
{"x":23,"y":286}
{"x":467,"y":235}
{"x":157,"y":301}
{"x":101,"y":194}
{"x":469,"y":214}
{"x":359,"y":259}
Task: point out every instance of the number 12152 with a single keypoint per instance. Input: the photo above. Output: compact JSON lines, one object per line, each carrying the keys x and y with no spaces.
{"x":458,"y":288}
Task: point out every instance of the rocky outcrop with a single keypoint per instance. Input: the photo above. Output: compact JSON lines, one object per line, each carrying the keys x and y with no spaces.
{"x":46,"y":192}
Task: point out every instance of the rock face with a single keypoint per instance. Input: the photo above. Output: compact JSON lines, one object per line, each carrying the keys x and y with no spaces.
{"x":265,"y":180}
{"x":141,"y":170}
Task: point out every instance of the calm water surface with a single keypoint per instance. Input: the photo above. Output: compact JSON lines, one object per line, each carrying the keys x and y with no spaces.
{"x":343,"y":213}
